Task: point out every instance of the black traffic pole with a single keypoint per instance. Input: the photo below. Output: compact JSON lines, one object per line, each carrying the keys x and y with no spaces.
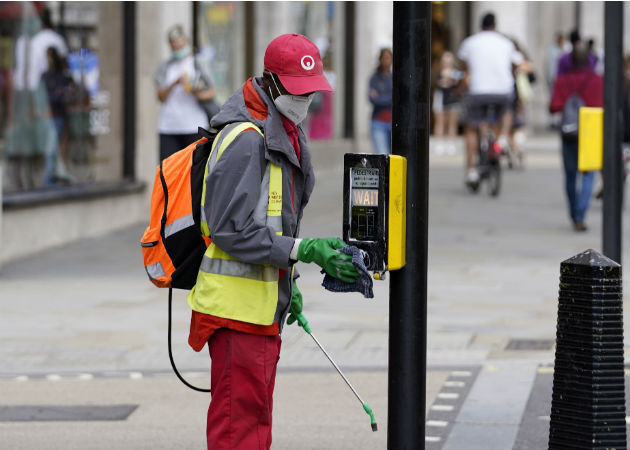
{"x":129,"y":91}
{"x":613,"y":92}
{"x":408,"y":286}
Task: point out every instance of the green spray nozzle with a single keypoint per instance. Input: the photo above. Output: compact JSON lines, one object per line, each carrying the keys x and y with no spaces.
{"x":303,"y":323}
{"x":371,"y":414}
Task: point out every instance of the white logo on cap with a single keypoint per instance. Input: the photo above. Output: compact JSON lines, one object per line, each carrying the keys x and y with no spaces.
{"x":308,"y":63}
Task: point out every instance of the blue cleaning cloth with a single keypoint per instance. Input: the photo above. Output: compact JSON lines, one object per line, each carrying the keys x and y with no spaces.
{"x":362,"y":284}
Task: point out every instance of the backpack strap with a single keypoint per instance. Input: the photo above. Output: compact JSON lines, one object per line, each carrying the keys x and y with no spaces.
{"x":208,"y":134}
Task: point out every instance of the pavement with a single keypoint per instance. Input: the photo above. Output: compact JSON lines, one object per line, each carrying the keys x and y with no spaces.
{"x":84,"y":363}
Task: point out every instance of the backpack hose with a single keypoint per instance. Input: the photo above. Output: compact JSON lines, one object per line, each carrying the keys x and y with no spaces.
{"x":170,"y":350}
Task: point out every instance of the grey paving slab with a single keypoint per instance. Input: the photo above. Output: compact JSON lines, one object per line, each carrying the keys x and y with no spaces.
{"x":500,"y":393}
{"x":494,"y":406}
{"x":312,"y":411}
{"x":64,"y":413}
{"x":88,"y":308}
{"x":533,"y":433}
{"x":472,"y":436}
{"x":446,"y":403}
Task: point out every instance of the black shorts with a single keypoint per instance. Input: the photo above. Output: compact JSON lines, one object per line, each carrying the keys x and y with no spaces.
{"x":487,"y":107}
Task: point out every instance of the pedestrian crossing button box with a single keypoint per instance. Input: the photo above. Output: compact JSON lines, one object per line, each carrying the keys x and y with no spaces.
{"x":374,"y":203}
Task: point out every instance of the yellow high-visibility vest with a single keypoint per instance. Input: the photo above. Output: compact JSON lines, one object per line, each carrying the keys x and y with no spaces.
{"x":227,"y":287}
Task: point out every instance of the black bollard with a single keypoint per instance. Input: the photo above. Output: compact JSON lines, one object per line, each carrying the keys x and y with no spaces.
{"x":588,"y":401}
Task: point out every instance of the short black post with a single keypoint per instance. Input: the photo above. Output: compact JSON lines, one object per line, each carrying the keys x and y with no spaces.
{"x":613,"y":170}
{"x":408,"y":286}
{"x":588,"y":401}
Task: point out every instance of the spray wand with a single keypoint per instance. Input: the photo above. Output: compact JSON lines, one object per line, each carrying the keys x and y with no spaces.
{"x":304,"y":324}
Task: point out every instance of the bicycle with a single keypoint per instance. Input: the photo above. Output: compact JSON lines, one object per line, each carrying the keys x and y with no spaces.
{"x":489,"y":154}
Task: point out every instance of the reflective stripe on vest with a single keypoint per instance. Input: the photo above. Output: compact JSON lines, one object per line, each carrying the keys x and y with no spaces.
{"x":227,"y":287}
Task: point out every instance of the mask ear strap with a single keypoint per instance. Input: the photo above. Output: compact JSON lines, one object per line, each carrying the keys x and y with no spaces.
{"x":273,"y":78}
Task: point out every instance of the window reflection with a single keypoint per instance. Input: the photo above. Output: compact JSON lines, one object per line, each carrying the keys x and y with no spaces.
{"x":53,"y":107}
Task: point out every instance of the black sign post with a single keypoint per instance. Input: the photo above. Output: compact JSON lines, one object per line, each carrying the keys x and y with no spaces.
{"x":408,"y":286}
{"x":613,"y":170}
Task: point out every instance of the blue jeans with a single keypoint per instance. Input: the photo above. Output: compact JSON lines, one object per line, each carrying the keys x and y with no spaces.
{"x":579,"y":198}
{"x":382,"y":136}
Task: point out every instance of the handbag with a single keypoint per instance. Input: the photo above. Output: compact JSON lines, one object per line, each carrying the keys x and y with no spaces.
{"x":524,"y":87}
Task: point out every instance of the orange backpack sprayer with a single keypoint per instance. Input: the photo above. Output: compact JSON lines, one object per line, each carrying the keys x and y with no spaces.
{"x":172,"y":244}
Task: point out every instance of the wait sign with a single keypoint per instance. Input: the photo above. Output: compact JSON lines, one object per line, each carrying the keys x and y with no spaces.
{"x":365,"y":197}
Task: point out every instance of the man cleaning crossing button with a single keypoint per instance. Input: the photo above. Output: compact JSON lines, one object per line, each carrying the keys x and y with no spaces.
{"x":258,"y":181}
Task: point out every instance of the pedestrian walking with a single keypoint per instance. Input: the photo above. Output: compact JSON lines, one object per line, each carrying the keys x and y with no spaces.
{"x":380,"y":96}
{"x":579,"y":86}
{"x":565,"y":63}
{"x":489,"y":59}
{"x":259,"y":179}
{"x":524,"y":77}
{"x":183,"y":83}
{"x":554,"y":52}
{"x":445,"y":103}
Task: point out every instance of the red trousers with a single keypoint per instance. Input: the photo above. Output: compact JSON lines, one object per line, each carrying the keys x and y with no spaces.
{"x":243,"y":375}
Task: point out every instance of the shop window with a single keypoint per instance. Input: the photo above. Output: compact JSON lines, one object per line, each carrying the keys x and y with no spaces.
{"x":224,"y":35}
{"x":315,"y":20}
{"x":60,"y":94}
{"x":221,"y":41}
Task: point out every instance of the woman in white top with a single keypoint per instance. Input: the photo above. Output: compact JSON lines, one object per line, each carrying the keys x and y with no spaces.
{"x":182,"y":82}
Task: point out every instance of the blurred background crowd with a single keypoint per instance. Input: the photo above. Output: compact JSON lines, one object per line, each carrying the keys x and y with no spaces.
{"x":80,"y":113}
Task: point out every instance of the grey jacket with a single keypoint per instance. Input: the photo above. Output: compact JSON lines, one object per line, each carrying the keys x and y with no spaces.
{"x":233,"y":187}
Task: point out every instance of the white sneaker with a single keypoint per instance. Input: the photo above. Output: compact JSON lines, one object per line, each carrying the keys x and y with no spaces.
{"x":504,"y":143}
{"x":472,"y":176}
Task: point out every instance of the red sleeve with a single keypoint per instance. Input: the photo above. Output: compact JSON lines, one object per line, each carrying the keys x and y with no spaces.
{"x":593,"y":94}
{"x":559,"y":96}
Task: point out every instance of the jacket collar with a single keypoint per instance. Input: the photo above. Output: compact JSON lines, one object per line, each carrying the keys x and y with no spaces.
{"x":275,"y":136}
{"x":251,"y":103}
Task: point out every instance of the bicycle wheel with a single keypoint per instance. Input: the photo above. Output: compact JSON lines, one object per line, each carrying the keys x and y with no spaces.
{"x":494,"y":178}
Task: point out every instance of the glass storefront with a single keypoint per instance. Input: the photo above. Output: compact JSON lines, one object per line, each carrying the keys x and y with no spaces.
{"x":60,"y":104}
{"x":222,"y":36}
{"x":315,"y":20}
{"x":221,"y":42}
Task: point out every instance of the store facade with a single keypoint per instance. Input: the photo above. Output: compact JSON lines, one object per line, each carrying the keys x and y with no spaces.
{"x":67,"y":150}
{"x":78,"y":140}
{"x":79,"y":110}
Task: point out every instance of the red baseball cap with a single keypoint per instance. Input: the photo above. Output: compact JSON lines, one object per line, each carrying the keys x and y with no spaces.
{"x":296,"y":61}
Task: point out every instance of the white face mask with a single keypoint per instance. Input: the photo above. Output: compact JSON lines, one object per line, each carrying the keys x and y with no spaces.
{"x":293,"y":107}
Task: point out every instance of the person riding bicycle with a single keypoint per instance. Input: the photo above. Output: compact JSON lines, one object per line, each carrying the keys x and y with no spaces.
{"x":489,"y":58}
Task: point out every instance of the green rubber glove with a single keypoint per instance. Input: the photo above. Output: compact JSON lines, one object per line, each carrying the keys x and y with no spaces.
{"x":296,"y":305}
{"x":324,"y":252}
